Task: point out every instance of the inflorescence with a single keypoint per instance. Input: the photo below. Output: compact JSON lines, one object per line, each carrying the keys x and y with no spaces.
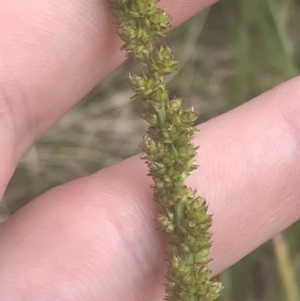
{"x":168,"y":152}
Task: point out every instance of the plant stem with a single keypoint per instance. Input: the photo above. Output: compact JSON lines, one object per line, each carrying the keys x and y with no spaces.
{"x":285,"y":268}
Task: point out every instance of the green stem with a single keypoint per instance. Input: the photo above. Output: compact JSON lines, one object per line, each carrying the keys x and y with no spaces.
{"x":161,"y":115}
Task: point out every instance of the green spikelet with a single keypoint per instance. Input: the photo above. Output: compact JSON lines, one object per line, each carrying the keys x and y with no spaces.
{"x":169,"y":152}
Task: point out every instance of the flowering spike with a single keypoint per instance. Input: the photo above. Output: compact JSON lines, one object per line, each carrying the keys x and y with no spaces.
{"x":169,"y":152}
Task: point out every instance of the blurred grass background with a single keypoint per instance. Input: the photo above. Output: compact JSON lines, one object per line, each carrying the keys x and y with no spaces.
{"x":235,"y":52}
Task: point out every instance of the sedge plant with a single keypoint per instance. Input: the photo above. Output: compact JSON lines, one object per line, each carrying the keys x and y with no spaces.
{"x":168,"y":151}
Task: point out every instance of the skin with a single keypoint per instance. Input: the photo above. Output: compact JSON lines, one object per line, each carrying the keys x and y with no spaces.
{"x":94,"y":238}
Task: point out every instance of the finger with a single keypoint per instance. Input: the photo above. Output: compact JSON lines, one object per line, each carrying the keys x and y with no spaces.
{"x":95,"y":238}
{"x":52,"y":54}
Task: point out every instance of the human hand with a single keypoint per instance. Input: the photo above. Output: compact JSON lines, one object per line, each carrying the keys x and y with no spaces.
{"x":95,"y":238}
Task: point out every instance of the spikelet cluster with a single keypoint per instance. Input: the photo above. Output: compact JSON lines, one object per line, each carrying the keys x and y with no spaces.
{"x":169,"y":152}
